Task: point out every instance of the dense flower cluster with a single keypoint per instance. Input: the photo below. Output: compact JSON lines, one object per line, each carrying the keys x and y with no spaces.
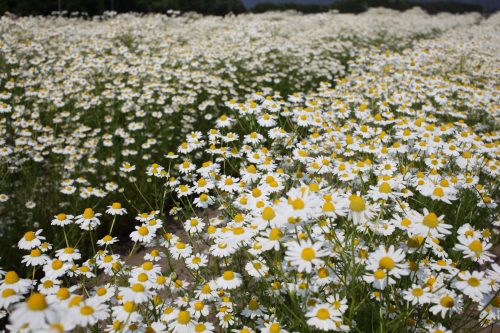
{"x":366,"y":205}
{"x":79,"y":97}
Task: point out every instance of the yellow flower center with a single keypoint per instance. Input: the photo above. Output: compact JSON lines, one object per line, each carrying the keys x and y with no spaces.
{"x":473,"y":282}
{"x":57,"y":264}
{"x":405,"y":222}
{"x":75,"y":300}
{"x":357,"y":203}
{"x":84,"y":269}
{"x":138,"y":288}
{"x":183,"y":318}
{"x":447,"y":301}
{"x":196,"y":260}
{"x":199,"y":328}
{"x":385,"y":188}
{"x":323,"y":314}
{"x":417,"y":292}
{"x":476,"y":246}
{"x":63,"y":293}
{"x":275,"y":328}
{"x":228,"y":275}
{"x":36,"y":302}
{"x":253,"y":304}
{"x":298,"y":204}
{"x":431,"y":220}
{"x":379,"y":274}
{"x":238,"y":231}
{"x":251,"y":169}
{"x":198,"y":306}
{"x":441,"y":262}
{"x":11,"y":277}
{"x":275,"y":234}
{"x":328,"y":207}
{"x":308,"y":254}
{"x":8,"y":292}
{"x":268,"y":214}
{"x":86,"y":310}
{"x":438,"y":192}
{"x":101,"y":291}
{"x":206,"y":289}
{"x":29,"y":236}
{"x":386,"y":263}
{"x":116,"y":205}
{"x":323,"y":273}
{"x":143,"y":231}
{"x":107,"y":238}
{"x":129,"y":306}
{"x":88,"y":213}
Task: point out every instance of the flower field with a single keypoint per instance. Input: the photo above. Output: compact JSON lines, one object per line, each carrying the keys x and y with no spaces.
{"x":265,"y":173}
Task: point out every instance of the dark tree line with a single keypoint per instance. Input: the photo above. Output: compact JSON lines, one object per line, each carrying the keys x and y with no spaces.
{"x":97,"y":7}
{"x":358,"y":6}
{"x":218,"y":7}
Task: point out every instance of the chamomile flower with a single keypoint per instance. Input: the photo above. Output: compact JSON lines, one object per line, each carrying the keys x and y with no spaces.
{"x":229,"y":280}
{"x":472,"y":284}
{"x":379,"y":279}
{"x":107,"y":240}
{"x":305,"y":255}
{"x":184,"y":323}
{"x":31,"y":240}
{"x":322,"y":317}
{"x":89,"y":312}
{"x":204,"y":327}
{"x":34,"y":314}
{"x":194,"y":225}
{"x":137,"y":293}
{"x":142,"y":234}
{"x":417,"y":295}
{"x":116,"y":209}
{"x":272,"y":327}
{"x":35,"y":258}
{"x":89,"y":220}
{"x":127,"y":311}
{"x":9,"y":296}
{"x":68,"y":254}
{"x":257,"y":268}
{"x":429,"y":225}
{"x":197,"y":261}
{"x":474,"y":249}
{"x":359,"y":210}
{"x":445,"y":302}
{"x":127,"y":167}
{"x":389,"y":260}
{"x":62,"y":219}
{"x":12,"y":281}
{"x":253,"y":309}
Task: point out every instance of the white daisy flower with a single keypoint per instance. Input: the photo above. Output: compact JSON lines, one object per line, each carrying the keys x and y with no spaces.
{"x":305,"y":255}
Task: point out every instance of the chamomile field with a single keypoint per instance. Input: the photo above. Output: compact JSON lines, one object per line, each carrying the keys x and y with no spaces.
{"x":260,"y":173}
